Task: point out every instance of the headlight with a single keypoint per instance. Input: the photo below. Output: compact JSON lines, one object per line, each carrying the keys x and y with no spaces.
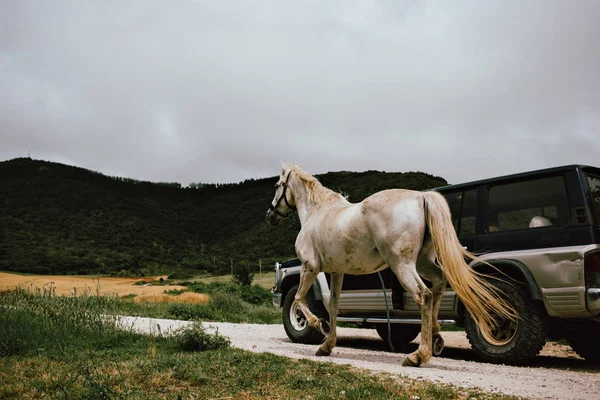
{"x":277,"y":274}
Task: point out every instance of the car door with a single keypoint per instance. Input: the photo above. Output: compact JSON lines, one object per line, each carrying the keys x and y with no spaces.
{"x":364,"y":293}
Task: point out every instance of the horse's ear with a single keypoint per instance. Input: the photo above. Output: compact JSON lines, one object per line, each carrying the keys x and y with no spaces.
{"x":283,"y":167}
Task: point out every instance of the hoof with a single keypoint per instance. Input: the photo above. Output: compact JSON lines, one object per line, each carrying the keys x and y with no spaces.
{"x":438,"y":344}
{"x":413,"y":360}
{"x":322,"y":353}
{"x":324,"y":327}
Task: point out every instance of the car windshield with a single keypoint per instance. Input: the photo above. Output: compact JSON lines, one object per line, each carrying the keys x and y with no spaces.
{"x":594,"y":183}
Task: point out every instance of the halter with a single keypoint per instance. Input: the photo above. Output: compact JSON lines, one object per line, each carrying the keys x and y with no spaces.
{"x":283,"y":197}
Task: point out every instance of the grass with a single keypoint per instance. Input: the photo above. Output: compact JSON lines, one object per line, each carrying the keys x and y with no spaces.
{"x":219,"y":301}
{"x":66,"y":347}
{"x":265,"y":280}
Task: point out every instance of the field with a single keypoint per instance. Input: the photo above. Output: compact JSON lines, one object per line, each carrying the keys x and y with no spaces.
{"x":141,"y":289}
{"x":64,"y":284}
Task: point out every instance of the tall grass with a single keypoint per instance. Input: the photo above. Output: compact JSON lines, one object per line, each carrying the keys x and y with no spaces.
{"x":40,"y":322}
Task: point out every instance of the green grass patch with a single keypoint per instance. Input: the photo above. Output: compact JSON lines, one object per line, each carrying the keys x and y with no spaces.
{"x":44,"y":323}
{"x":264,"y":280}
{"x":451,"y":328}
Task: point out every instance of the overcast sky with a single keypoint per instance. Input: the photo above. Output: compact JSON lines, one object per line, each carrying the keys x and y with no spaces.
{"x":219,"y":91}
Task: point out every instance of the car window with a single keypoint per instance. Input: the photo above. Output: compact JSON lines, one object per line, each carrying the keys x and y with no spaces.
{"x":454,"y":200}
{"x":469,"y":210}
{"x":463,"y":206}
{"x":594,"y":184}
{"x":528,"y":204}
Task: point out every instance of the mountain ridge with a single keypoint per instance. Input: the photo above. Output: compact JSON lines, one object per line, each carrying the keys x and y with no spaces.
{"x":61,"y":219}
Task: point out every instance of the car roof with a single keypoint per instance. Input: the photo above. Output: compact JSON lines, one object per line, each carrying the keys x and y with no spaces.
{"x":519,"y":175}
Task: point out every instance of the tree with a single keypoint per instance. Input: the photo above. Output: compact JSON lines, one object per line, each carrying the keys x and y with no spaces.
{"x":243,"y":274}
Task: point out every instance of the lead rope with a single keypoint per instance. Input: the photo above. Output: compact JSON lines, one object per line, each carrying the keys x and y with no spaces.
{"x":387,"y":313}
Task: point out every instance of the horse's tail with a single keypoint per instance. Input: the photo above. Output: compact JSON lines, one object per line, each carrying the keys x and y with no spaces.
{"x":478,"y":295}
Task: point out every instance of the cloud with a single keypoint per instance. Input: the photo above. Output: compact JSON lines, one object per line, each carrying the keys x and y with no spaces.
{"x":219,"y":91}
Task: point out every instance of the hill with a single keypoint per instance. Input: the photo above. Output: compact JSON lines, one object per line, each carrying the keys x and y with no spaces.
{"x":61,"y":219}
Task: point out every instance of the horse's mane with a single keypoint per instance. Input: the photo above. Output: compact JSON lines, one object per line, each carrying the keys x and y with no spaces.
{"x":316,"y":191}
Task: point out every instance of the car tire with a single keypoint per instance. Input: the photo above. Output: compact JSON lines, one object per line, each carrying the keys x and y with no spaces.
{"x":583,"y":341}
{"x":402,"y":335}
{"x":295,"y":323}
{"x":517,"y":342}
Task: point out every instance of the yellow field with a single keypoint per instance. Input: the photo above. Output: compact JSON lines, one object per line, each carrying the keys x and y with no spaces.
{"x":185,"y":297}
{"x":64,"y":284}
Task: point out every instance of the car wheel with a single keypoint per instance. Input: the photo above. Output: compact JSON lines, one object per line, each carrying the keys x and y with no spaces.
{"x":402,"y":334}
{"x":512,"y":342}
{"x":295,"y":323}
{"x":583,"y":341}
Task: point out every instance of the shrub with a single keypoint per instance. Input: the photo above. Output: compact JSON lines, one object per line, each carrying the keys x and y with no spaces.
{"x":243,"y":274}
{"x":195,"y":338}
{"x":227,"y":304}
{"x":191,"y":311}
{"x":256,"y":295}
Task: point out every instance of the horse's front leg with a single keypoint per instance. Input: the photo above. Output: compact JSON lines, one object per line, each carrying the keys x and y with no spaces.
{"x":334,"y":300}
{"x":307,"y":277}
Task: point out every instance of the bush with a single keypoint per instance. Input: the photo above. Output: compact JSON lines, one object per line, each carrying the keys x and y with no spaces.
{"x":256,"y":295}
{"x":195,"y":338}
{"x":227,"y":304}
{"x":243,"y":274}
{"x":191,"y":311}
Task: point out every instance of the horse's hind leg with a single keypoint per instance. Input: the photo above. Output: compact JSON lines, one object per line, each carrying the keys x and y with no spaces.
{"x":331,"y":338}
{"x":437,"y":290}
{"x":412,"y":283}
{"x":430,"y":270}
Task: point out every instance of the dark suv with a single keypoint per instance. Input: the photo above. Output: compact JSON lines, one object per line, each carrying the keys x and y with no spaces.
{"x":541,"y":232}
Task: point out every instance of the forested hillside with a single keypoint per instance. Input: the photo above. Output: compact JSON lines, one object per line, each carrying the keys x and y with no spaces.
{"x":61,"y":219}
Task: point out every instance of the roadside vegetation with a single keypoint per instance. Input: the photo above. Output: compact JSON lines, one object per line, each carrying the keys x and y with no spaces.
{"x":72,"y":347}
{"x":225,"y":302}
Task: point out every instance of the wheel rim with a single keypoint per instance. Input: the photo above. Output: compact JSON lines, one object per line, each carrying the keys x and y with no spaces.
{"x":502,"y":334}
{"x":297,"y":318}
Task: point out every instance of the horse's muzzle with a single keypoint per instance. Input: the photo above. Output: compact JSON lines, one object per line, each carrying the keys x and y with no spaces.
{"x":272,"y":218}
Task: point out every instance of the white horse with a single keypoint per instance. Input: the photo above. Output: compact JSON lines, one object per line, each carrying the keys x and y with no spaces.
{"x":403,"y":229}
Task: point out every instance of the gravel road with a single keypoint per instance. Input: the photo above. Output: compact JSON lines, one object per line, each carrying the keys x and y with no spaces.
{"x":556,"y":374}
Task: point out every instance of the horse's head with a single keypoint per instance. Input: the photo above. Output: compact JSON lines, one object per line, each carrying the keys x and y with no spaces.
{"x":280,"y":207}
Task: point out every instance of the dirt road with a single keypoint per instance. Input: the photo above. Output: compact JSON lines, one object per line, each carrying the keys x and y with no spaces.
{"x":556,"y":374}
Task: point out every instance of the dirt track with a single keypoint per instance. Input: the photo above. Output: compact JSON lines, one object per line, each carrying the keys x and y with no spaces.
{"x":556,"y":374}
